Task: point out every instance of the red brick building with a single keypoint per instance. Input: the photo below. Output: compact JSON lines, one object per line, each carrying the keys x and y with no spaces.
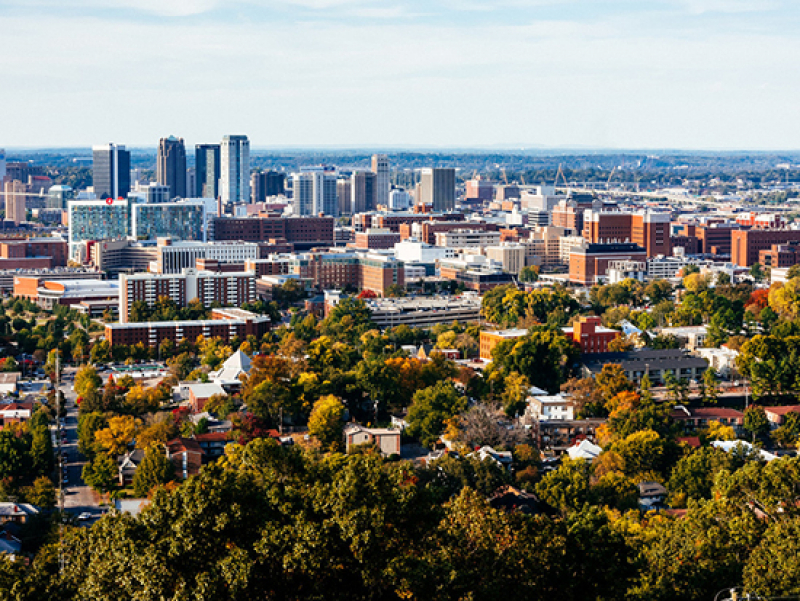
{"x":746,"y":244}
{"x":589,"y":264}
{"x":375,"y":238}
{"x":33,"y":253}
{"x":590,"y":335}
{"x":648,"y":230}
{"x":302,"y":232}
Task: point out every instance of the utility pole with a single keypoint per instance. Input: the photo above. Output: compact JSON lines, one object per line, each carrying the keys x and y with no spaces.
{"x":61,"y":465}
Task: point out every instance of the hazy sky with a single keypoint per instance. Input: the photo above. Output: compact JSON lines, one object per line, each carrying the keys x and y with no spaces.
{"x":714,"y":74}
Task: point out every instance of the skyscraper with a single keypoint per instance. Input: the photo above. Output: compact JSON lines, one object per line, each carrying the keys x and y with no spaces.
{"x":380,"y":167}
{"x":363,"y":191}
{"x":266,"y":184}
{"x":314,"y":192}
{"x":2,"y":164}
{"x":171,"y":166}
{"x":15,"y":192}
{"x":344,"y":196}
{"x":111,"y":171}
{"x":207,"y":170}
{"x":438,"y":188}
{"x":235,"y":169}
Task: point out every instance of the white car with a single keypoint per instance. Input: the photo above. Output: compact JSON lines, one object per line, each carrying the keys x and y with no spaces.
{"x":84,"y":516}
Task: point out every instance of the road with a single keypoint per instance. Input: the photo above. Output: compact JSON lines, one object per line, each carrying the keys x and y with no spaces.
{"x":78,"y":498}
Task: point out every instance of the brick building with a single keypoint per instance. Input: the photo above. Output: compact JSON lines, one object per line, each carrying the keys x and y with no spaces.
{"x":648,"y":230}
{"x":210,"y":287}
{"x":376,"y":238}
{"x":589,"y":264}
{"x":780,"y":255}
{"x":33,"y":253}
{"x":427,"y":230}
{"x":746,"y":244}
{"x":226,"y":324}
{"x":303,"y":232}
{"x":590,"y":335}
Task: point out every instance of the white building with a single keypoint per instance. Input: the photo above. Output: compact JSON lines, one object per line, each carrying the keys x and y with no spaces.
{"x":399,"y":200}
{"x":235,"y":169}
{"x":173,"y":257}
{"x":551,"y":407}
{"x":721,"y":360}
{"x":412,"y":250}
{"x":467,"y":238}
{"x":510,"y":255}
{"x":314,"y":192}
{"x":380,"y":167}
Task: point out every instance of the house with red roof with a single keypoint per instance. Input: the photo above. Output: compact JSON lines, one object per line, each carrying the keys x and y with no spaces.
{"x":696,"y":418}
{"x":777,"y":415}
{"x":186,"y":455}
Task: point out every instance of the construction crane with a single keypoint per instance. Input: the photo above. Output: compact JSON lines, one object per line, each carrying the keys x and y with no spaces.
{"x":610,"y":175}
{"x":560,"y":172}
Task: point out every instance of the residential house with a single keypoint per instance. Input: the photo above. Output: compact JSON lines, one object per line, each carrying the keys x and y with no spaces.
{"x":777,"y":415}
{"x":696,"y":418}
{"x":502,"y":459}
{"x":186,"y":455}
{"x":584,"y":450}
{"x":127,"y":464}
{"x":17,"y":512}
{"x":213,"y":444}
{"x":547,"y":407}
{"x":652,"y":495}
{"x":14,"y":413}
{"x":559,"y":435}
{"x":387,"y":441}
{"x":510,"y":498}
{"x":8,"y":381}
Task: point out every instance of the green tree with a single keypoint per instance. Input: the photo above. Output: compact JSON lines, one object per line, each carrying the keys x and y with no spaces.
{"x":326,"y":422}
{"x":88,"y":424}
{"x":529,"y":273}
{"x":568,"y":488}
{"x":430,"y":409}
{"x":101,"y":473}
{"x":154,"y":470}
{"x":755,"y":421}
{"x":710,"y":386}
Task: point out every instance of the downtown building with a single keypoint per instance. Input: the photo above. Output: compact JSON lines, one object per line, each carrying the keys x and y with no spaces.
{"x":303,"y":233}
{"x":235,"y":170}
{"x":267,"y":183}
{"x":438,"y":189}
{"x":171,"y":166}
{"x":380,"y":167}
{"x":207,"y":170}
{"x":111,"y":171}
{"x":649,"y":230}
{"x":227,"y":289}
{"x":97,"y":220}
{"x":314,"y":192}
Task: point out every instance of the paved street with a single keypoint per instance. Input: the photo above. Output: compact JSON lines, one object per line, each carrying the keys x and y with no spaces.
{"x":78,"y":497}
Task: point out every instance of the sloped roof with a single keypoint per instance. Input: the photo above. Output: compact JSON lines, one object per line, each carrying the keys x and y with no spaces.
{"x":584,"y":450}
{"x":181,"y":445}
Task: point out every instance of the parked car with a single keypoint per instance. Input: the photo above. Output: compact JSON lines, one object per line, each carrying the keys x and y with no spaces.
{"x":84,"y":516}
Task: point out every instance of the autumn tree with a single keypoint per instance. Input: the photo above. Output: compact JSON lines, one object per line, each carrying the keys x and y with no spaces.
{"x":326,"y":422}
{"x":115,"y":439}
{"x":430,"y":408}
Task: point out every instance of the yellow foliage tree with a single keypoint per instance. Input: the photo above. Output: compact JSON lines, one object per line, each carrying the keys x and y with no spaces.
{"x":327,"y":421}
{"x":121,"y":431}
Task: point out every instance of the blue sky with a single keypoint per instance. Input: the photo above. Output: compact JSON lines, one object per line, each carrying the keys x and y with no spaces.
{"x":711,"y":74}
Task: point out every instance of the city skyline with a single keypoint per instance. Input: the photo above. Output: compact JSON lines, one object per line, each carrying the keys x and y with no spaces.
{"x":682,"y":74}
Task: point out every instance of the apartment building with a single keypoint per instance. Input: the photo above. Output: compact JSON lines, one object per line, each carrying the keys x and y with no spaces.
{"x":227,"y":289}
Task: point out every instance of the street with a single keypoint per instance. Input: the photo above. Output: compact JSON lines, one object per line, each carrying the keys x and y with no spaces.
{"x":78,"y":498}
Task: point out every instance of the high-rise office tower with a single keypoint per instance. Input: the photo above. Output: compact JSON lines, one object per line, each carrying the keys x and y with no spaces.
{"x":171,"y":166}
{"x":266,"y":184}
{"x":363,"y":191}
{"x":314,"y":192}
{"x":207,"y":170}
{"x":380,"y":167}
{"x":191,"y":182}
{"x":111,"y":171}
{"x":235,"y":169}
{"x":344,"y":196}
{"x":2,"y":164}
{"x":157,"y":193}
{"x":438,"y":188}
{"x":15,"y":192}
